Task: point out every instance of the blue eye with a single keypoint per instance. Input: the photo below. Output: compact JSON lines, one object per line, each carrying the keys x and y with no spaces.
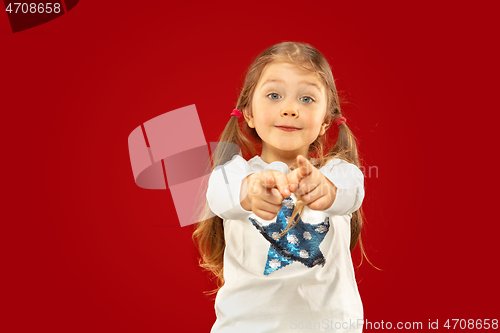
{"x":307,"y":99}
{"x":274,"y":96}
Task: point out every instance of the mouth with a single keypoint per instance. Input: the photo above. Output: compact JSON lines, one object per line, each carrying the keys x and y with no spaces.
{"x":287,"y":128}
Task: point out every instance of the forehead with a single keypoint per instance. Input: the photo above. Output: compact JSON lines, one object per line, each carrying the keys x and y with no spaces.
{"x":289,"y":73}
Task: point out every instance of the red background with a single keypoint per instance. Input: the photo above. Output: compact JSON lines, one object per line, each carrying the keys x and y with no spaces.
{"x":85,"y":249}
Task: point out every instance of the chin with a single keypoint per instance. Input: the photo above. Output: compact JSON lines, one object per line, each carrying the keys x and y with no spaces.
{"x":288,"y":148}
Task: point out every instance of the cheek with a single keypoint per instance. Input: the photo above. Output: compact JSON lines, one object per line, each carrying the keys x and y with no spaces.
{"x":310,"y":121}
{"x":263,"y":119}
{"x":315,"y":125}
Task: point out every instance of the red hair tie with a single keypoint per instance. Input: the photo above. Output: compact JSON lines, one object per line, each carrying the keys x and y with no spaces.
{"x":236,"y":113}
{"x":340,"y":120}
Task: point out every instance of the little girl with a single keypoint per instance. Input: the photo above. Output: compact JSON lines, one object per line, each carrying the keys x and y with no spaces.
{"x":285,"y":222}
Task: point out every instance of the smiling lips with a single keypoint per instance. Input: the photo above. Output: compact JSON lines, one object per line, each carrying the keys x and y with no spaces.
{"x":288,"y":129}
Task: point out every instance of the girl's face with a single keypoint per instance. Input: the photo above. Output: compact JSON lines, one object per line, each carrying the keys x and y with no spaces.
{"x":289,"y":108}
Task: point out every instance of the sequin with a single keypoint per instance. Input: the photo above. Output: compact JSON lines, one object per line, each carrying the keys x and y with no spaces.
{"x":300,"y":244}
{"x":321,"y":229}
{"x":292,"y":239}
{"x":275,"y":263}
{"x":288,"y":204}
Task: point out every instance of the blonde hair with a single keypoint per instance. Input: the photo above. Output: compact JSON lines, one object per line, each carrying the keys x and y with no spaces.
{"x":209,"y":233}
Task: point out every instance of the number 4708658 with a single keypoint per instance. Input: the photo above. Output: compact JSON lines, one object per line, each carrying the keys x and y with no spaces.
{"x":472,"y":324}
{"x":33,"y":8}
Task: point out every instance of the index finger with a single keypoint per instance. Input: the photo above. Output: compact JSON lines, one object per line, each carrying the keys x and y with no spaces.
{"x":305,"y":167}
{"x":278,"y":179}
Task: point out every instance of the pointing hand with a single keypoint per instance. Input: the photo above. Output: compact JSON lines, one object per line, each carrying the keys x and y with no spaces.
{"x":311,"y":186}
{"x":264,"y":192}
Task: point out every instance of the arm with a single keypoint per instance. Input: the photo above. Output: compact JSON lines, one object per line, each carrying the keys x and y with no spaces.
{"x":224,"y":188}
{"x":349,"y":182}
{"x":246,"y":202}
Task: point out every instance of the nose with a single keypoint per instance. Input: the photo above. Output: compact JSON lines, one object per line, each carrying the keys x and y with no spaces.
{"x":289,"y":112}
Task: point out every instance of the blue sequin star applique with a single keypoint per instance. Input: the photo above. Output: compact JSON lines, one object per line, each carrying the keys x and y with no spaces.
{"x":301,"y":243}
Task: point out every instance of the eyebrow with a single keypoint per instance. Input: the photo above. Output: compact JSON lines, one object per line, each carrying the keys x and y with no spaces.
{"x":281,"y":81}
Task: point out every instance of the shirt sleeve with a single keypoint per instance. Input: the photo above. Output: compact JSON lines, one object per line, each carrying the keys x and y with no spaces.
{"x":349,"y":181}
{"x":224,"y":186}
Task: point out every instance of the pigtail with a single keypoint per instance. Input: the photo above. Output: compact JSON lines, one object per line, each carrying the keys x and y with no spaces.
{"x":346,"y":148}
{"x":209,"y":233}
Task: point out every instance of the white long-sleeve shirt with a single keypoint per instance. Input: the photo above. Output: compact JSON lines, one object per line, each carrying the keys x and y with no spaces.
{"x":301,"y":281}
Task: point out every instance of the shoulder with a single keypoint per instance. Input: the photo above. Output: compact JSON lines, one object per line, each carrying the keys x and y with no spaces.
{"x":235,"y":162}
{"x":237,"y":166}
{"x":256,"y":164}
{"x":339,"y":161}
{"x":342,"y":167}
